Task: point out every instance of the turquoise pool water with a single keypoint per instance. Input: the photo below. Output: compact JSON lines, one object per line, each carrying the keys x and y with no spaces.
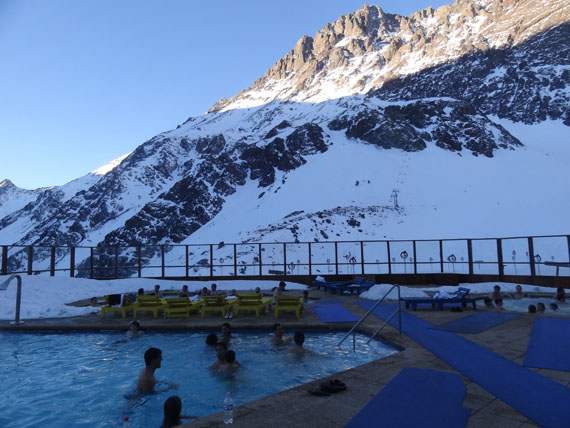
{"x":88,"y":380}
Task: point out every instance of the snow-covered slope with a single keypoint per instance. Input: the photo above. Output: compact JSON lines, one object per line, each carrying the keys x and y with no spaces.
{"x":440,"y":122}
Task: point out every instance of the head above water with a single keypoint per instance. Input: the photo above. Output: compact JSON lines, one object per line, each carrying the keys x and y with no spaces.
{"x":226,"y":329}
{"x":518,"y":288}
{"x":299,"y":338}
{"x":212,"y":339}
{"x":488,"y":301}
{"x":553,"y":307}
{"x":172,"y":409}
{"x":540,"y":307}
{"x":153,"y":356}
{"x":277,"y":330}
{"x":221,"y":349}
{"x":531,"y":309}
{"x":499,"y":302}
{"x":134,"y":326}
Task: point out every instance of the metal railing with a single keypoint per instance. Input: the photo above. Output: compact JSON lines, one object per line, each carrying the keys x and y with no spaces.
{"x":519,"y":256}
{"x":398,"y":311}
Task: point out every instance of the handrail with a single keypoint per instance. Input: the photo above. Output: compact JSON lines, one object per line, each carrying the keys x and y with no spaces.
{"x":397,"y":311}
{"x":4,"y":286}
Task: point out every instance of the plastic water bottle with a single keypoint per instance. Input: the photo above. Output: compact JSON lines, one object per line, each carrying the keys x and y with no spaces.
{"x":126,"y":423}
{"x":228,"y":409}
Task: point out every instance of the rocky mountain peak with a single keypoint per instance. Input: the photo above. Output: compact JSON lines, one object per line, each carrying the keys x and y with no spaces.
{"x":6,"y":184}
{"x":361,"y":51}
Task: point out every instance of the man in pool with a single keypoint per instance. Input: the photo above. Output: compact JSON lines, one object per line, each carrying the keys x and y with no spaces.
{"x":146,"y":380}
{"x":278,"y":337}
{"x":299,"y":339}
{"x":540,"y":308}
{"x":221,"y":349}
{"x":518,"y":294}
{"x":226,"y":333}
{"x":135,"y":329}
{"x":230,"y":364}
{"x":499,"y":305}
{"x":488,"y":303}
{"x":496,"y":294}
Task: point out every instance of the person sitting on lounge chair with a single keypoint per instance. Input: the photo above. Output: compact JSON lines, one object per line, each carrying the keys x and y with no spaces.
{"x":278,"y":291}
{"x":157,"y":291}
{"x":214,"y":290}
{"x":184,"y":292}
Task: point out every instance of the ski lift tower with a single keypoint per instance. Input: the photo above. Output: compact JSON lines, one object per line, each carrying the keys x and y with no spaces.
{"x":394,"y":198}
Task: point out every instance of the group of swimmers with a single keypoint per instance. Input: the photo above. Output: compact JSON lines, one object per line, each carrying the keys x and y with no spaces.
{"x":225,"y":363}
{"x":496,"y":297}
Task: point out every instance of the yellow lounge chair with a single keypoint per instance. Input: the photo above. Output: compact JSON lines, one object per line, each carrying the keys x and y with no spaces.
{"x":251,"y":302}
{"x":215,"y":304}
{"x":148,"y":304}
{"x":180,"y":307}
{"x":115,"y":304}
{"x":288,"y":303}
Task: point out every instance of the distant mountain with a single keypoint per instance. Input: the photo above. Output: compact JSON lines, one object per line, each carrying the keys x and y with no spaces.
{"x":331,"y":130}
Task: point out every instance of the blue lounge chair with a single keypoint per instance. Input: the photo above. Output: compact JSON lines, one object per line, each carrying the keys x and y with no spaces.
{"x":460,"y":296}
{"x":364,"y":286}
{"x":329,"y":285}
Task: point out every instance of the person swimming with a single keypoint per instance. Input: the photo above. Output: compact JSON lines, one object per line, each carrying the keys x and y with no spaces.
{"x":230,"y":364}
{"x":299,"y":339}
{"x":153,"y":361}
{"x":278,"y":337}
{"x":172,"y":412}
{"x":531,"y":309}
{"x":540,"y":307}
{"x":226,"y":333}
{"x":212,"y":339}
{"x":135,"y":329}
{"x":221,"y":349}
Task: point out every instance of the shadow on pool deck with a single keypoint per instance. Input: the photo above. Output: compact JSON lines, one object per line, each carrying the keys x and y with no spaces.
{"x":296,"y":407}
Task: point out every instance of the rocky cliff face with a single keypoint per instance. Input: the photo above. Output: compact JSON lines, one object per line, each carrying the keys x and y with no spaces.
{"x":435,"y":79}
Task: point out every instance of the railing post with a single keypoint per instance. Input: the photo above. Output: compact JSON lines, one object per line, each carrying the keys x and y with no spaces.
{"x":441,"y":255}
{"x":72,"y":262}
{"x":116,"y":262}
{"x":30,"y":259}
{"x":162,"y":258}
{"x":91,"y":263}
{"x":4,"y":260}
{"x":389,"y":258}
{"x":500,"y":258}
{"x":52,"y":262}
{"x":284,"y":258}
{"x":336,"y":256}
{"x":211,"y":261}
{"x":531,"y":258}
{"x":470,"y":256}
{"x":310,"y":261}
{"x":187,"y":261}
{"x":235,"y":260}
{"x":568,"y":243}
{"x":260,"y":264}
{"x":362,"y":256}
{"x":415,"y":258}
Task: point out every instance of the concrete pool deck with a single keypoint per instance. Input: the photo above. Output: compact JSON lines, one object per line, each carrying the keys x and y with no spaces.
{"x":295,"y":407}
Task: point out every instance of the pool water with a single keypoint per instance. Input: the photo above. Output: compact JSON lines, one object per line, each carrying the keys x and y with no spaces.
{"x":521,"y":305}
{"x":88,"y":379}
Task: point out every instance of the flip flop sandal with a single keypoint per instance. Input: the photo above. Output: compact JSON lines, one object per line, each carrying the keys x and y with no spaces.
{"x":318,"y":392}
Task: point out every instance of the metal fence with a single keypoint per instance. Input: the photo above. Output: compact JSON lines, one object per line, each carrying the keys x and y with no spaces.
{"x":532,"y":256}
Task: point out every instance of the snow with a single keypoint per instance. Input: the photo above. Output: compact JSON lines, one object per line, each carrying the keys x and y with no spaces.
{"x":48,"y":297}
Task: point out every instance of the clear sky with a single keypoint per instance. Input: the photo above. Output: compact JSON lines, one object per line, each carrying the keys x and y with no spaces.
{"x":83,"y":82}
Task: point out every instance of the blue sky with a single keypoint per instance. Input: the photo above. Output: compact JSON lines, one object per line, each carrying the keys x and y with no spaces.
{"x":84,"y":82}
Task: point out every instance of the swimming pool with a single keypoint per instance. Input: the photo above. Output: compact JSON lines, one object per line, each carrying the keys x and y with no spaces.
{"x":521,"y":305}
{"x":84,"y":379}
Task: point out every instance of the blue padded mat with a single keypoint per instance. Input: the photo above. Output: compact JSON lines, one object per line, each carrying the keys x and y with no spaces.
{"x":549,"y":346}
{"x":539,"y":398}
{"x":416,"y":398}
{"x":334,"y":313}
{"x":477,"y":323}
{"x":318,"y":302}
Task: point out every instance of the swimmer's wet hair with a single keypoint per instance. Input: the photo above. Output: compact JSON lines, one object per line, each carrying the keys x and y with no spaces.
{"x":276,"y":325}
{"x":212,"y":339}
{"x":531,"y":309}
{"x":299,"y":337}
{"x":151,"y":354}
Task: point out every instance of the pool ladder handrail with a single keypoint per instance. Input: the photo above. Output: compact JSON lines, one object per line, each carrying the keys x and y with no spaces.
{"x":4,"y":286}
{"x":397,"y":311}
